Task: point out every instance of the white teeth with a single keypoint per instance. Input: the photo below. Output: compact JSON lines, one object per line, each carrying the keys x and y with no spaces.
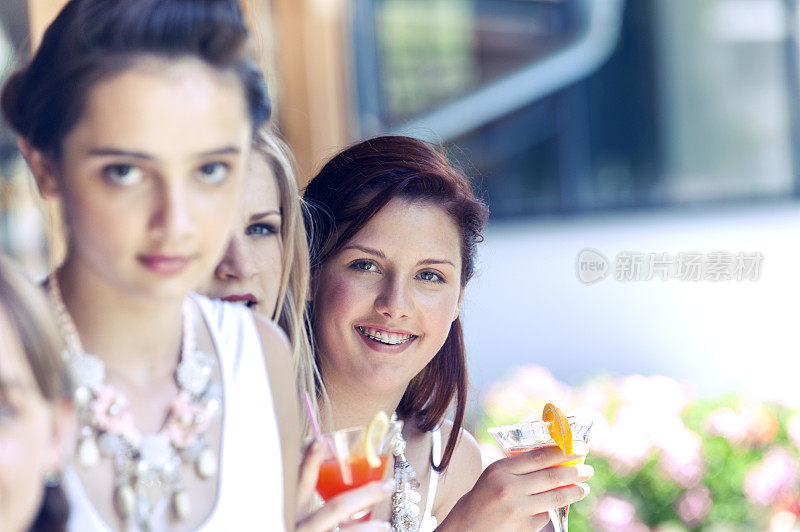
{"x":385,"y":337}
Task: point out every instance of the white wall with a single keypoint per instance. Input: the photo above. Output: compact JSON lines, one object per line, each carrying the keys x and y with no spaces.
{"x":526,"y":304}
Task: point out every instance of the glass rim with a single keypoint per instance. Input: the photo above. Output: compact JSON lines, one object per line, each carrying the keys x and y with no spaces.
{"x":359,"y":428}
{"x":535,"y":423}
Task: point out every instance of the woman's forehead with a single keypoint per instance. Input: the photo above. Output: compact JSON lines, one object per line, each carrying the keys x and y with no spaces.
{"x":413,"y":227}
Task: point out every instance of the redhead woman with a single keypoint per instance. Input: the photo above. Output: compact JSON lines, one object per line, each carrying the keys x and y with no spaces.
{"x":138,"y":117}
{"x":395,"y":234}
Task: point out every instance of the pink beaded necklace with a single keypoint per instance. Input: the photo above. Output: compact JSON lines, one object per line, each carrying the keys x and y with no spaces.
{"x":147,"y":466}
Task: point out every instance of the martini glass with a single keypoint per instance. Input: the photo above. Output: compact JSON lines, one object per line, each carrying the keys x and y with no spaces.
{"x":526,"y":436}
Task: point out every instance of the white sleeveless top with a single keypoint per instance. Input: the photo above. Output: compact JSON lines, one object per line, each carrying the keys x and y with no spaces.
{"x":250,"y":477}
{"x":428,"y":522}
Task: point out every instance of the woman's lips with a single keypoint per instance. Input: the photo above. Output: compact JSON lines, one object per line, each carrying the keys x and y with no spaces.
{"x":385,"y":340}
{"x":248,"y":299}
{"x":165,"y":264}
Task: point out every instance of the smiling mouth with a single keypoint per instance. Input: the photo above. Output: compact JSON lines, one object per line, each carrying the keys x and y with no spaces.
{"x":385,"y":337}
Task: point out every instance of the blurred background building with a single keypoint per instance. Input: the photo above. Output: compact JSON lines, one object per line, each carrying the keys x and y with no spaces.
{"x":632,"y":128}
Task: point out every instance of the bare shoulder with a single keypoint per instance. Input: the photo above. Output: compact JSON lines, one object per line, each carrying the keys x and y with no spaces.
{"x":278,"y":358}
{"x":462,"y":473}
{"x":273,"y":339}
{"x":283,"y":384}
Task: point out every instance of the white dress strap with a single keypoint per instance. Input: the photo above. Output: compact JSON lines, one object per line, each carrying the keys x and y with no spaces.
{"x":428,"y":522}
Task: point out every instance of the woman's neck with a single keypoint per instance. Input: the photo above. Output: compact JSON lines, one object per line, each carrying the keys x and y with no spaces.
{"x":353,"y":406}
{"x":136,"y":336}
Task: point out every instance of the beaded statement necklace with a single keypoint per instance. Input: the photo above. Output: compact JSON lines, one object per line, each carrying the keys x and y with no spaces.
{"x":147,"y":467}
{"x":406,"y":497}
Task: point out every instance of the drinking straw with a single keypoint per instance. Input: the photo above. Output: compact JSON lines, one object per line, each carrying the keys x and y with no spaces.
{"x":311,"y":416}
{"x":315,"y":428}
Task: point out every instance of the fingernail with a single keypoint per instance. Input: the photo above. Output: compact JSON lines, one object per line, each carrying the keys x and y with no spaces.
{"x":388,"y":485}
{"x":585,"y":488}
{"x":585,"y":471}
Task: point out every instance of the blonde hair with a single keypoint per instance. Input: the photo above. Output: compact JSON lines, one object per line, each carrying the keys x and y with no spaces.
{"x":30,"y":315}
{"x":290,"y":311}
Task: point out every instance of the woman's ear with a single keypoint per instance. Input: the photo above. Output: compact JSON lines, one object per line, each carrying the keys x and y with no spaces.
{"x":457,"y":311}
{"x":42,"y":167}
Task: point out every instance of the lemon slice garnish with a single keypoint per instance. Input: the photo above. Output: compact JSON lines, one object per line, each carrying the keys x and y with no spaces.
{"x":373,"y":437}
{"x":559,"y":427}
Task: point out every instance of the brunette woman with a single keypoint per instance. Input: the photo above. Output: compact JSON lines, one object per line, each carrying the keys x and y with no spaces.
{"x":395,"y":234}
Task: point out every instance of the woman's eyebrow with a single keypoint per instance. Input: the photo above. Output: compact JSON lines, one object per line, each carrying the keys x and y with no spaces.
{"x":118,"y":152}
{"x":115,"y":152}
{"x":428,"y":262}
{"x":382,"y":255}
{"x":259,"y":215}
{"x":378,"y":253}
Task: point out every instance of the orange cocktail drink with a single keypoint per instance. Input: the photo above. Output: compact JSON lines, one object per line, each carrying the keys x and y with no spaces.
{"x":356,"y":456}
{"x":337,"y":476}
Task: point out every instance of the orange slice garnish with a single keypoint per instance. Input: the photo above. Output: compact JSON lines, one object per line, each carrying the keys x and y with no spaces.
{"x":559,"y":427}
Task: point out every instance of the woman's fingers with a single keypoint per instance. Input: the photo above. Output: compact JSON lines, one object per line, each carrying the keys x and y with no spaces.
{"x":339,"y":508}
{"x":537,"y":459}
{"x":539,"y":521}
{"x":309,"y":472}
{"x":557,"y":498}
{"x":556,"y":477}
{"x":369,"y":526}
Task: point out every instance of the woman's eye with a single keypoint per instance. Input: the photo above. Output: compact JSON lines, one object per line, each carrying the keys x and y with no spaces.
{"x":123,"y":175}
{"x":213,"y":173}
{"x":431,"y":277}
{"x":261,"y":229}
{"x":364,"y":266}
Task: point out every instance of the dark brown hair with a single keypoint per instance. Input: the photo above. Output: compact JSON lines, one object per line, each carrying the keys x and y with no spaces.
{"x":349,"y":190}
{"x":91,"y":40}
{"x":30,"y":315}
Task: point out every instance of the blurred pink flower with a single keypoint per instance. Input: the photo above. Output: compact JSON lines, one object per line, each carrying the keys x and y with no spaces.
{"x":793,"y":429}
{"x":773,"y":479}
{"x":525,"y":394}
{"x":729,"y":424}
{"x":763,"y":424}
{"x":612,"y":513}
{"x":625,"y":445}
{"x":536,"y":381}
{"x":694,"y":505}
{"x":681,"y":458}
{"x":595,"y":395}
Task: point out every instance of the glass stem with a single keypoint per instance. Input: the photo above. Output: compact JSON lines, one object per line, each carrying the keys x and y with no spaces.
{"x":559,"y":519}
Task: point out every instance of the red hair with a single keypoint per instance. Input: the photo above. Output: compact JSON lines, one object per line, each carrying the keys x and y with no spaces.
{"x":344,"y":196}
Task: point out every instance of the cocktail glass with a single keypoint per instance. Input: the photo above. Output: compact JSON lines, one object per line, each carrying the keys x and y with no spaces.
{"x":526,"y":436}
{"x":346,"y":466}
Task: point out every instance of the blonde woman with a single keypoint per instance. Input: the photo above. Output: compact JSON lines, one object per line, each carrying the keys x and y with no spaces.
{"x":266,"y":267}
{"x":35,"y":409}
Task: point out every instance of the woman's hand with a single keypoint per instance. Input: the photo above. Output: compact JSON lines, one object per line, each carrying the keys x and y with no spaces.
{"x":339,"y":508}
{"x":515,"y":493}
